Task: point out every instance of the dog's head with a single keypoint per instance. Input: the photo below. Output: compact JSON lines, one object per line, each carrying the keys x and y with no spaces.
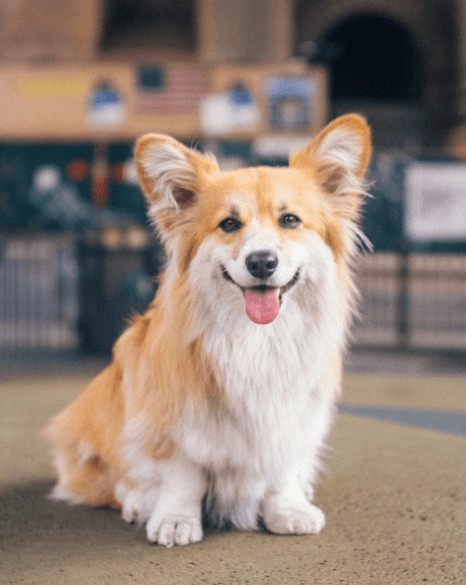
{"x":256,"y":234}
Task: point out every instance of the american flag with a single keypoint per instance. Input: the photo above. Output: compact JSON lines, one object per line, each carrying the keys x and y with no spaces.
{"x":181,"y":93}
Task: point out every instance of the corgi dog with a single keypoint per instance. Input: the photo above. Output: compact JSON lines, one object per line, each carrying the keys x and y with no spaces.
{"x":218,"y":401}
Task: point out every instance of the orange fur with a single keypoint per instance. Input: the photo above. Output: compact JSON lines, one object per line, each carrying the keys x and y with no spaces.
{"x":93,"y":421}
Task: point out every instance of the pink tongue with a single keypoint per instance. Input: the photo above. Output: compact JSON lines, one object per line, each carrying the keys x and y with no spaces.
{"x":262,"y":307}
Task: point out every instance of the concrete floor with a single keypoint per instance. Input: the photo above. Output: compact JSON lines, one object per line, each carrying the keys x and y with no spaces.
{"x":394,"y":495}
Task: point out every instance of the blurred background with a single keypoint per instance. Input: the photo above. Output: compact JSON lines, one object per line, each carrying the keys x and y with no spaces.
{"x":251,"y":81}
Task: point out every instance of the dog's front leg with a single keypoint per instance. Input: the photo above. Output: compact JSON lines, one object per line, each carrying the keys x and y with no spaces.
{"x":286,"y":509}
{"x":176,"y":518}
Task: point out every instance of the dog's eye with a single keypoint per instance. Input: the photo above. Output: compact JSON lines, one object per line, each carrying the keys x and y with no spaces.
{"x":230,"y":224}
{"x":289,"y":221}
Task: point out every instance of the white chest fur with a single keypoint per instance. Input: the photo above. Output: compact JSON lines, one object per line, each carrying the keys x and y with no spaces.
{"x":270,"y":419}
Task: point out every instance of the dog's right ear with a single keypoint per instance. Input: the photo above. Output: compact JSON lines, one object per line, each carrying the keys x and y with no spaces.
{"x":170,"y":175}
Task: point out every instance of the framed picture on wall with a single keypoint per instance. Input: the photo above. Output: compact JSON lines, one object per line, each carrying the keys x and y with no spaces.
{"x":289,"y":101}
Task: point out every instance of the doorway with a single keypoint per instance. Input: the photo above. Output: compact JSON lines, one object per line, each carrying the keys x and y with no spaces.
{"x":376,"y":68}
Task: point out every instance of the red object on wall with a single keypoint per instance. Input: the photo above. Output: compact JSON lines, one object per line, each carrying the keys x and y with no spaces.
{"x":77,"y":170}
{"x":100,"y":192}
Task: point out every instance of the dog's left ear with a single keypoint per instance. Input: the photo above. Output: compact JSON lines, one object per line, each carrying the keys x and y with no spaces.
{"x":170,"y":175}
{"x":337,"y":159}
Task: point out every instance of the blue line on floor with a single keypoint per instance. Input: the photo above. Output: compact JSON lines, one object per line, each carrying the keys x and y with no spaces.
{"x":434,"y":420}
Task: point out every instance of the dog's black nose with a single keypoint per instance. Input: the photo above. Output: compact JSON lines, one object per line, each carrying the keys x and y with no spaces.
{"x":262,"y":264}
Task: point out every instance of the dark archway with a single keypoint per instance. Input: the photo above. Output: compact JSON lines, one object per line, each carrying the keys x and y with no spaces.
{"x":376,"y":68}
{"x":374,"y":58}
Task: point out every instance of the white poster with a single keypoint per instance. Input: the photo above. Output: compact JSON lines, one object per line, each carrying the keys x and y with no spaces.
{"x":231,"y":111}
{"x":435,"y":202}
{"x":106,"y":109}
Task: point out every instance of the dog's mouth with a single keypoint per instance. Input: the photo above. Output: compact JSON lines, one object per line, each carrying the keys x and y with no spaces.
{"x":263,"y":302}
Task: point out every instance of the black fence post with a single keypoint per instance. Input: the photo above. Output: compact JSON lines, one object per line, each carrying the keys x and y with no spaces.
{"x":403,"y":308}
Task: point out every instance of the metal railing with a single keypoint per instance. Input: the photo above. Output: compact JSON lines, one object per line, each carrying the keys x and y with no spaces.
{"x":415,"y":301}
{"x":38,"y":296}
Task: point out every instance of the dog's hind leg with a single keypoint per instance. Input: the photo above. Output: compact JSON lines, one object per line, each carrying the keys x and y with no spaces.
{"x":85,"y":440}
{"x":83,"y":476}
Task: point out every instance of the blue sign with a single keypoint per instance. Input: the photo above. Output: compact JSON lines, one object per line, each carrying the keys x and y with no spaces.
{"x":106,"y":108}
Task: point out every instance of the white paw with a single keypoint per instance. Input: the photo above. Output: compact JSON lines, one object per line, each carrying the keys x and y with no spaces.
{"x":136,"y":505}
{"x":302,"y":519}
{"x":174,"y":530}
{"x":131,"y":507}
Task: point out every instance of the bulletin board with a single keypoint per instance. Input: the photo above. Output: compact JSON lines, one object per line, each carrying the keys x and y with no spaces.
{"x":111,"y":102}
